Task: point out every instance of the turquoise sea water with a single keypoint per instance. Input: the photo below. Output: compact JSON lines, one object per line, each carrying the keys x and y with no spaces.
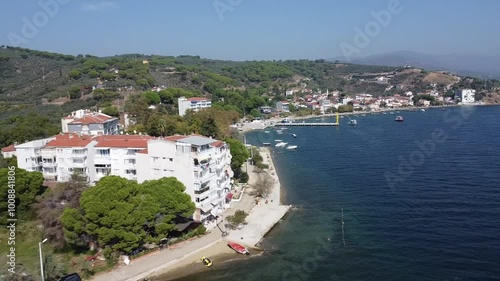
{"x":420,"y":200}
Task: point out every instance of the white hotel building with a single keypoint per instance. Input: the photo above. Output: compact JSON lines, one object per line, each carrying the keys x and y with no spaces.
{"x":194,"y":104}
{"x":200,"y":163}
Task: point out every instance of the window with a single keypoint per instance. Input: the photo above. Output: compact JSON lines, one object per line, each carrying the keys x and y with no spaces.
{"x":103,"y":152}
{"x":171,"y":159}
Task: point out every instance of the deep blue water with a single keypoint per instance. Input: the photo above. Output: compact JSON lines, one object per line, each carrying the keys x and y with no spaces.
{"x":437,"y":218}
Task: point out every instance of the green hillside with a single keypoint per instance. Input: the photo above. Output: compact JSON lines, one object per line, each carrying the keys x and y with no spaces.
{"x":46,"y":86}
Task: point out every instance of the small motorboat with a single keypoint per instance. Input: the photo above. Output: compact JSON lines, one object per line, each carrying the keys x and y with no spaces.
{"x":352,"y":122}
{"x":399,"y":119}
{"x":238,"y":248}
{"x":278,"y":140}
{"x":294,"y":135}
{"x":266,"y":144}
{"x":291,"y":147}
{"x":206,"y":261}
{"x":281,"y":144}
{"x":422,"y":109}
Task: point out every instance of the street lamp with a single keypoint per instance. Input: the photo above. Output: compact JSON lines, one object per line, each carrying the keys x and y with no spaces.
{"x":41,"y":260}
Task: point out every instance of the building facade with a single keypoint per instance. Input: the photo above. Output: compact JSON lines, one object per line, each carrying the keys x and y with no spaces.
{"x":29,"y":155}
{"x":282,"y":106}
{"x":85,"y":122}
{"x":465,"y":96}
{"x":194,"y":104}
{"x":202,"y":164}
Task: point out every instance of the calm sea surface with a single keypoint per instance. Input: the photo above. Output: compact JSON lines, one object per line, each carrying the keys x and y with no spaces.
{"x":420,"y":200}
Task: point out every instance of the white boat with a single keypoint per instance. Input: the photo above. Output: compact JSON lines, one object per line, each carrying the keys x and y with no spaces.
{"x":422,"y":109}
{"x":352,"y":122}
{"x":281,"y":144}
{"x":266,"y":144}
{"x":291,"y":147}
{"x":294,"y":135}
{"x":279,"y":132}
{"x":278,"y":140}
{"x":267,"y":132}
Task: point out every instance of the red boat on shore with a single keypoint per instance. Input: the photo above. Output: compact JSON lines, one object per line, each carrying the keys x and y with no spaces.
{"x":238,"y":248}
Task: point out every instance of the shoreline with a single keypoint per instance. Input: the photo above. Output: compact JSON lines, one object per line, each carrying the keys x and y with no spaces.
{"x":265,"y":124}
{"x":250,"y":235}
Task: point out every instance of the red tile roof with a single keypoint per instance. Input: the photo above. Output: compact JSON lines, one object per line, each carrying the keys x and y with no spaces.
{"x":70,"y":140}
{"x":123,"y":141}
{"x":218,"y":144}
{"x":144,"y":151}
{"x":9,"y":148}
{"x":93,"y":119}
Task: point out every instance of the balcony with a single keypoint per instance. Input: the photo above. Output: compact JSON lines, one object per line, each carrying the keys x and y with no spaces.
{"x":79,"y":165}
{"x":79,"y":155}
{"x":49,"y":164}
{"x":102,"y":160}
{"x":202,"y":190}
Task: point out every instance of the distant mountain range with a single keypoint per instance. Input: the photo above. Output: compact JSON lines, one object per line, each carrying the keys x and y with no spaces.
{"x":462,"y":64}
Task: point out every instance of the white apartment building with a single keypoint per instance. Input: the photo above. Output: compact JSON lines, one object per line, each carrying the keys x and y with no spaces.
{"x":116,"y":155}
{"x":29,"y":155}
{"x":325,"y":105}
{"x":67,"y":154}
{"x":86,"y":122}
{"x":466,"y":96}
{"x":194,"y":104}
{"x":201,"y":164}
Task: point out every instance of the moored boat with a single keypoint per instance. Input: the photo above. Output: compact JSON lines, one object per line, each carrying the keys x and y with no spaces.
{"x":238,"y":248}
{"x":281,"y":144}
{"x":294,"y":135}
{"x":291,"y":147}
{"x":399,"y":119}
{"x":352,"y":122}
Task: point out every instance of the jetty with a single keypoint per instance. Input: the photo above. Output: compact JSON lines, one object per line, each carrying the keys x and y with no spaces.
{"x":305,"y":124}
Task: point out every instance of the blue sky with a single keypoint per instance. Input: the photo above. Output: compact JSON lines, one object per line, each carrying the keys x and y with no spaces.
{"x":251,"y":29}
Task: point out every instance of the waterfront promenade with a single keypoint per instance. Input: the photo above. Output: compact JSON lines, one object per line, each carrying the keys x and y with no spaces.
{"x":261,"y":219}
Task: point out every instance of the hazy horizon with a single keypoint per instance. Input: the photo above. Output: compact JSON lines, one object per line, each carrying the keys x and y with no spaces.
{"x":252,"y":30}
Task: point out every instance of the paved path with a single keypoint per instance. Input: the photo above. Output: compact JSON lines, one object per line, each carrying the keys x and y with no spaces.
{"x":261,"y":219}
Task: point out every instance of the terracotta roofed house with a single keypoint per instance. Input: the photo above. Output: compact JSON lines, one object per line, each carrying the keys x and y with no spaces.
{"x":85,"y":122}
